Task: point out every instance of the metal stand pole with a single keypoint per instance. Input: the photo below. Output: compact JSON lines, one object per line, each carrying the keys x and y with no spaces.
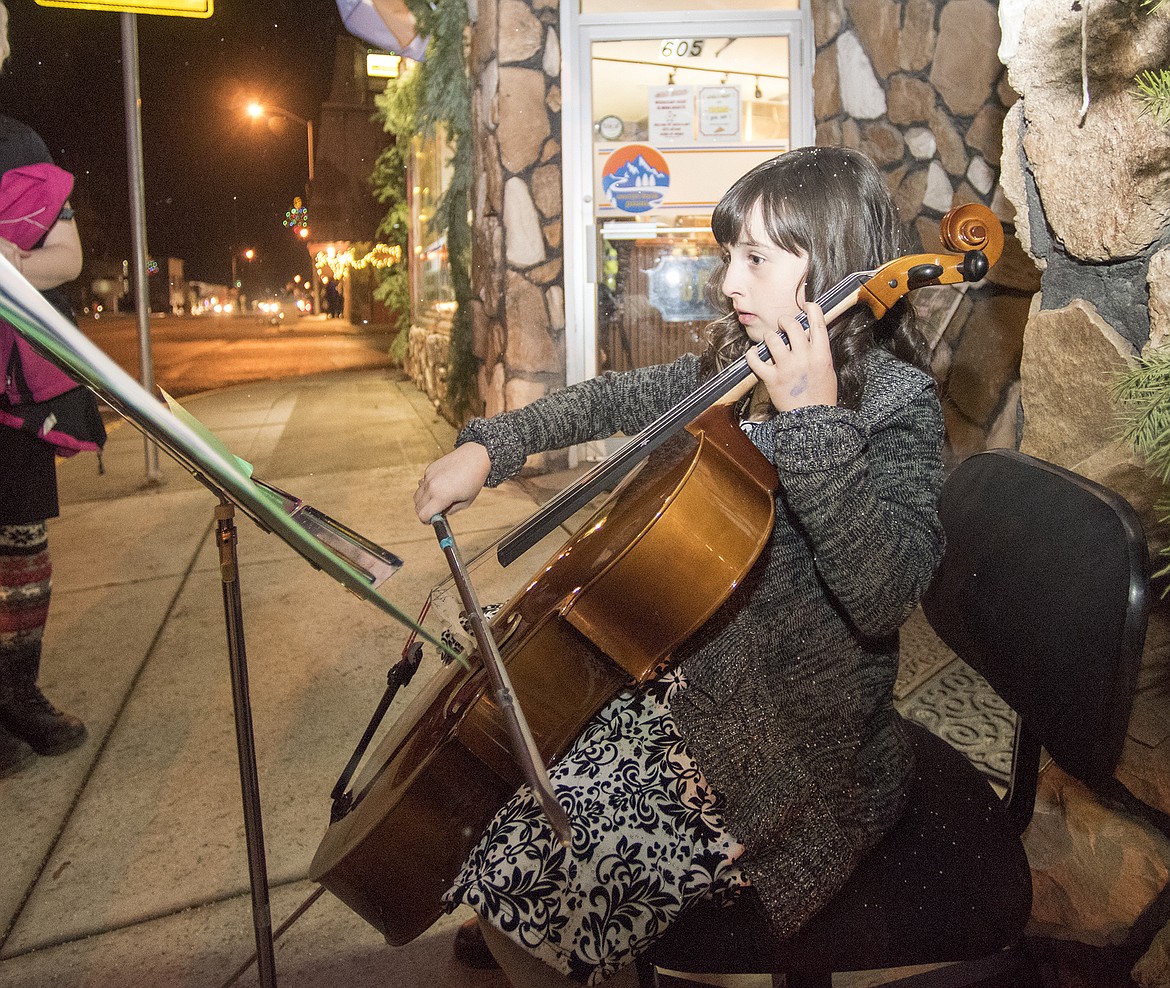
{"x":524,"y":749}
{"x":225,"y":537}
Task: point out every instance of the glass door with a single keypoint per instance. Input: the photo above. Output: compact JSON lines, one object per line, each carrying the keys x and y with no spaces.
{"x":666,"y":120}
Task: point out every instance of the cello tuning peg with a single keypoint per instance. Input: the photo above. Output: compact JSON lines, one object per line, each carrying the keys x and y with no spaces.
{"x":923,"y":274}
{"x":975,"y":265}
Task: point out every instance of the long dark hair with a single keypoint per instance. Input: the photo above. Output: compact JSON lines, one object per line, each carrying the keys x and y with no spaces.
{"x":832,"y":204}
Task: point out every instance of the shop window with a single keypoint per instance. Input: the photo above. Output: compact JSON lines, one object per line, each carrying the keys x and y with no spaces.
{"x":431,"y":175}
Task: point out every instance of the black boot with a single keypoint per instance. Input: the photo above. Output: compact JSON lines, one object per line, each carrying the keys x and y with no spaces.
{"x":24,"y":709}
{"x":14,"y":753}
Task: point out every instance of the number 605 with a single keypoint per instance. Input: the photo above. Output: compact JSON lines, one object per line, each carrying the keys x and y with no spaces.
{"x":681,"y":48}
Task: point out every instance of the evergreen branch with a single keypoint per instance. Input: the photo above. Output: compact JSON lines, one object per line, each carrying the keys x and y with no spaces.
{"x":1142,"y":395}
{"x":1152,"y":90}
{"x":396,"y":109}
{"x":1143,"y":398}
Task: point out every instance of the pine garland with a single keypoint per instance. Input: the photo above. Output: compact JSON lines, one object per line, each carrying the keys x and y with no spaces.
{"x":435,"y":100}
{"x":396,"y":110}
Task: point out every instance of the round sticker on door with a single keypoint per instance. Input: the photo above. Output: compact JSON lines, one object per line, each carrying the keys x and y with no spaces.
{"x":635,"y":178}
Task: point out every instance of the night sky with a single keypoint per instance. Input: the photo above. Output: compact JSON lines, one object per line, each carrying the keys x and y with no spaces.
{"x":215,"y":179}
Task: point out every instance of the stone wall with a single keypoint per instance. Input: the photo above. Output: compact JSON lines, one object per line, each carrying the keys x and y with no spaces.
{"x":428,"y":348}
{"x":918,"y":86}
{"x":1092,"y":195}
{"x":518,"y":316}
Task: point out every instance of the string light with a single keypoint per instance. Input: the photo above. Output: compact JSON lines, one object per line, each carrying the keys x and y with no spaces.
{"x":332,"y":263}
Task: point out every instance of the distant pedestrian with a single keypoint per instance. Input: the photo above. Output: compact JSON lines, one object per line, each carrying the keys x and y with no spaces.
{"x":333,"y":300}
{"x":42,"y":413}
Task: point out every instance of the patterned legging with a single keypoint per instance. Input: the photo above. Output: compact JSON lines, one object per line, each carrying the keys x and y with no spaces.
{"x":26,"y":576}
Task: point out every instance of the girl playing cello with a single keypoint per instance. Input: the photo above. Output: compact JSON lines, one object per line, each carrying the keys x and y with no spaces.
{"x":770,"y":758}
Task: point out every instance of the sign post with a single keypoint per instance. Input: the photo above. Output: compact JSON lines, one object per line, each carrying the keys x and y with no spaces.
{"x":132,"y":107}
{"x":132,"y":103}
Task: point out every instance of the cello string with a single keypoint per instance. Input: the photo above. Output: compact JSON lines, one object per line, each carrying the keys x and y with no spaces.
{"x":638,"y":447}
{"x":720,"y":383}
{"x":419,"y":620}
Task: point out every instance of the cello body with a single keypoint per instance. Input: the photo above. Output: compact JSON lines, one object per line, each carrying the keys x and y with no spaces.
{"x":604,"y":613}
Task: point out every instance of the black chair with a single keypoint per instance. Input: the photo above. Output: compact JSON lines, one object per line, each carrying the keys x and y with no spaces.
{"x":1044,"y":591}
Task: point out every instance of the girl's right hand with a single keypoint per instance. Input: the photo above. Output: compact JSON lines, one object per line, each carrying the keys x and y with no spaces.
{"x":452,"y":482}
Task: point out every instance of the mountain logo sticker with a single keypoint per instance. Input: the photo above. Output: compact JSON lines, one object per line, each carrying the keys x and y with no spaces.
{"x":635,"y":178}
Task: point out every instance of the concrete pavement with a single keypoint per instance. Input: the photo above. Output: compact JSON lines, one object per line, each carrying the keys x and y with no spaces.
{"x":125,"y":861}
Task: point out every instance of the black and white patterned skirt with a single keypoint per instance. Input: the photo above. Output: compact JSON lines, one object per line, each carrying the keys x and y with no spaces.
{"x":648,"y":839}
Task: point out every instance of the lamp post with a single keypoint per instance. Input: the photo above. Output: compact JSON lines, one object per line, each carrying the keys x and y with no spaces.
{"x":257,"y":110}
{"x":248,"y":254}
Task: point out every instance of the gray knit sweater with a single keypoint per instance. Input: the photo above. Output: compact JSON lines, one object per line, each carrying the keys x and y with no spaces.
{"x":789,"y":710}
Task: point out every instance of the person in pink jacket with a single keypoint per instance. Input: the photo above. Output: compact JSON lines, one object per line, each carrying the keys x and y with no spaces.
{"x":28,"y":484}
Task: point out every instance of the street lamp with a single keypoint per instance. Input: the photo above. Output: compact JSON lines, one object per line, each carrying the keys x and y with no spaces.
{"x":258,"y":111}
{"x":249,"y":254}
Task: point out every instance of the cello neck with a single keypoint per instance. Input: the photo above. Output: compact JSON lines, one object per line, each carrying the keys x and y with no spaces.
{"x":609,"y":472}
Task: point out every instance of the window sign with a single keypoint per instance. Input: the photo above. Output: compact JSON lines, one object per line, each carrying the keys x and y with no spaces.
{"x":382,"y":65}
{"x":671,"y":114}
{"x":635,"y":178}
{"x":671,"y":181}
{"x":719,"y":114}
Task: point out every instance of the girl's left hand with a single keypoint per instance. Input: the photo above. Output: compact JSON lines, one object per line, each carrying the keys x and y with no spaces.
{"x":800,"y":372}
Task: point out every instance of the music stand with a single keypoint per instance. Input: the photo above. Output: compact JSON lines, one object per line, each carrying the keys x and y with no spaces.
{"x":357,"y":563}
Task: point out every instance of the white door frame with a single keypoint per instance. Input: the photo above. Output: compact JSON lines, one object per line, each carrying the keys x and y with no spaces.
{"x":578,"y":32}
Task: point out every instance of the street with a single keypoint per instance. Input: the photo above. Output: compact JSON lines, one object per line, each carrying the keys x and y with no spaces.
{"x":200,"y":353}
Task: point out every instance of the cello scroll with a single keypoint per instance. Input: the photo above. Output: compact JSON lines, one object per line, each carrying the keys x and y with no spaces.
{"x":973,"y":237}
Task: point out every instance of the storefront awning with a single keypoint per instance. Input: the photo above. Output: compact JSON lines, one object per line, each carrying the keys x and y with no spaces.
{"x":386,"y":24}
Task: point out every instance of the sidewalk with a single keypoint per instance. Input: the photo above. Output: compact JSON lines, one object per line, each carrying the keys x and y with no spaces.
{"x":125,"y":862}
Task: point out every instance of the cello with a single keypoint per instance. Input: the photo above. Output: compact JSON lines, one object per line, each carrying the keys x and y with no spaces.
{"x":601,"y":615}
